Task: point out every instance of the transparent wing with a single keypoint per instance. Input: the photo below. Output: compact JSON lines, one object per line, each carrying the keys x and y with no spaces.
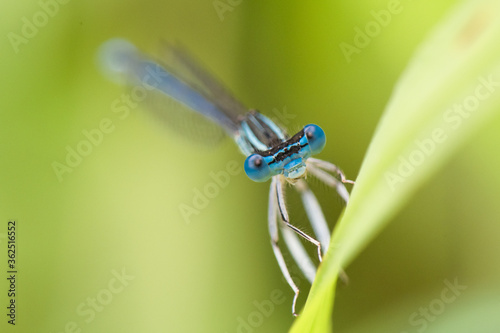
{"x":189,"y":70}
{"x":191,"y":125}
{"x":175,"y":97}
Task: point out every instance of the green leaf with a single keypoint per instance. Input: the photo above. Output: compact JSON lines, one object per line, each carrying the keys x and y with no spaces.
{"x":449,"y":91}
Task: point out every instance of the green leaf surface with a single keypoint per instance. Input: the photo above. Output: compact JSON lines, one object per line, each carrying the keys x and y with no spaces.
{"x":449,"y":91}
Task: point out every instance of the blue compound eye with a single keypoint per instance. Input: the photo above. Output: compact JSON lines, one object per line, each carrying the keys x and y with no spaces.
{"x":315,"y":137}
{"x":257,"y":168}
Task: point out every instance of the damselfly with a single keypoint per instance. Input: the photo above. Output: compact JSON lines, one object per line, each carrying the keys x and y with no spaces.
{"x":271,"y":154}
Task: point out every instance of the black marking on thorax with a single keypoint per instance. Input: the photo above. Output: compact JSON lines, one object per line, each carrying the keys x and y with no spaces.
{"x":285,"y":148}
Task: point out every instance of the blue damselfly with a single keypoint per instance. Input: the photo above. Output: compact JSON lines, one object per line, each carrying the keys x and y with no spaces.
{"x":271,"y":154}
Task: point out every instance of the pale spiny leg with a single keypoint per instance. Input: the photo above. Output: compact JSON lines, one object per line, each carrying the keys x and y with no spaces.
{"x":273,"y":231}
{"x":329,"y":167}
{"x":299,"y":254}
{"x":284,"y":215}
{"x":314,"y":213}
{"x":315,"y":167}
{"x":329,"y":180}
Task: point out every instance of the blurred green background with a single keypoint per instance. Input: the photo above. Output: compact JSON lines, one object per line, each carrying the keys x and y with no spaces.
{"x":118,"y":210}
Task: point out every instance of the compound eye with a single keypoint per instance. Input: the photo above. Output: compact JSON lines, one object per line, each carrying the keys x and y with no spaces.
{"x":315,"y":137}
{"x":257,"y":168}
